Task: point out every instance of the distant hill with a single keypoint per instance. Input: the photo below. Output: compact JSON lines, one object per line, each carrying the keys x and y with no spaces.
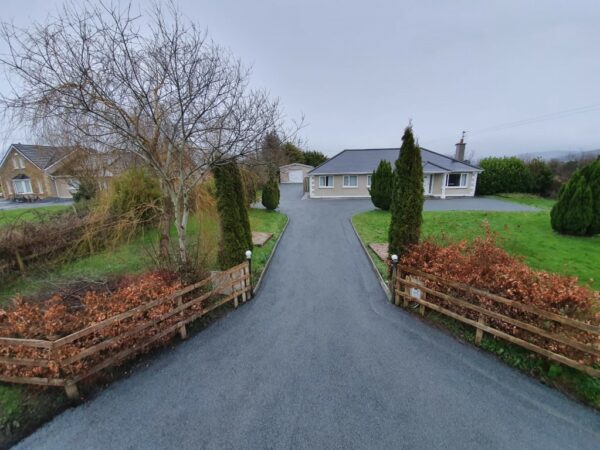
{"x":563,"y":155}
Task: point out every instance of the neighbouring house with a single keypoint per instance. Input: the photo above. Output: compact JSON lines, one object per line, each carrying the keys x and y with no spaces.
{"x":294,"y":173}
{"x":33,"y":172}
{"x":348,"y":174}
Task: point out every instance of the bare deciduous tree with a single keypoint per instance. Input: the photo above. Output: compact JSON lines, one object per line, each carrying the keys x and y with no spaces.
{"x":154,"y":85}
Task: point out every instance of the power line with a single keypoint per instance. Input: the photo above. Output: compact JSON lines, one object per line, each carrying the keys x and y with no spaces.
{"x":537,"y":119}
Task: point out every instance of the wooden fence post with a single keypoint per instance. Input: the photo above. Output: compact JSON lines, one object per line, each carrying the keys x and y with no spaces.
{"x":421,"y":306}
{"x":72,"y":391}
{"x":479,"y":331}
{"x":182,"y":328}
{"x":234,"y":288}
{"x":243,"y":284}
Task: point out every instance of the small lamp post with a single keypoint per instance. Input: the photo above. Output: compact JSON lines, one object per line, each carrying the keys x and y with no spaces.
{"x":249,"y":259}
{"x":394,"y":259}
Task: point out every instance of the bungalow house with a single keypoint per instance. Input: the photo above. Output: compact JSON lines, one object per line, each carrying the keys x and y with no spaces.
{"x":348,"y":174}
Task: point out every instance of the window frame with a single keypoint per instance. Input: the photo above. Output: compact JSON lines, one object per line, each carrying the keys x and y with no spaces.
{"x":347,"y":186}
{"x":369,"y":180}
{"x":460,"y":185}
{"x":326,"y":177}
{"x":26,"y":182}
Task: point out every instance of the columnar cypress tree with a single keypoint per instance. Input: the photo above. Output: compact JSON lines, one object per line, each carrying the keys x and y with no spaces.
{"x":270,"y":194}
{"x":382,"y":183}
{"x":574,"y":211}
{"x":407,"y":196}
{"x":236,"y":236}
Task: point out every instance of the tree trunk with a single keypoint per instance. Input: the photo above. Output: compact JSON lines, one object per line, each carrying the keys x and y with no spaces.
{"x":164,"y":246}
{"x":181,"y":221}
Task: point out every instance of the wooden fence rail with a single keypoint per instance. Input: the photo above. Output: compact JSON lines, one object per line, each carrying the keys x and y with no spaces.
{"x":184,"y":306}
{"x":410,"y":285}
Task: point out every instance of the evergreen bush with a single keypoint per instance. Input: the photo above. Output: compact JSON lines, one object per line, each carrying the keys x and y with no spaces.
{"x":382,"y":183}
{"x":236,"y":236}
{"x":270,"y":194}
{"x":407,"y":197}
{"x":503,"y":175}
{"x":541,"y":177}
{"x":573,"y":213}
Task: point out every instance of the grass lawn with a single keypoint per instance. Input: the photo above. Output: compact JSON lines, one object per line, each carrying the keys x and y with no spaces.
{"x":35,"y":214}
{"x":526,"y":234}
{"x":136,"y":256}
{"x":528,"y":199}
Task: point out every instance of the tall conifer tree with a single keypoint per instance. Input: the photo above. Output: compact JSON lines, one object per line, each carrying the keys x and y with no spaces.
{"x":407,"y":196}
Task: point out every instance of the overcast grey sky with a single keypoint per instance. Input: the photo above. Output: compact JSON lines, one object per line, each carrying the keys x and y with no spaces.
{"x":360,"y":70}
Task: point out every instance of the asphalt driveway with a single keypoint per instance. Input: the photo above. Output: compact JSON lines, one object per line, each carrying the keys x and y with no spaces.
{"x":320,"y":359}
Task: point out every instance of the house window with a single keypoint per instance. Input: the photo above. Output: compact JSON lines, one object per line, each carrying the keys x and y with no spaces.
{"x":326,"y":181}
{"x":22,"y":163}
{"x":40,"y":186}
{"x":22,"y":186}
{"x":369,"y":181}
{"x":15,"y":163}
{"x":350,"y":181}
{"x":456,"y":180}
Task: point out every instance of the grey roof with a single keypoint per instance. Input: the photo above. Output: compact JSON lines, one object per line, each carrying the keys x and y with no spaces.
{"x":42,"y":156}
{"x":356,"y":161}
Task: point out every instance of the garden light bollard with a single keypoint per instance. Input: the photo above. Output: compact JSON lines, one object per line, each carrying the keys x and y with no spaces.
{"x":394,"y":259}
{"x":249,"y":259}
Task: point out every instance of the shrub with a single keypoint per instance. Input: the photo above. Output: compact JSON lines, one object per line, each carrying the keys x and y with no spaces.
{"x":250,"y":183}
{"x":541,"y":177}
{"x":137,"y":193}
{"x":407,"y":196}
{"x":61,"y":315}
{"x":592,"y":175}
{"x":577,"y":211}
{"x":382,"y":183}
{"x":86,"y":190}
{"x":270,"y":195}
{"x":483,"y":265}
{"x":236,"y":236}
{"x":503,"y":175}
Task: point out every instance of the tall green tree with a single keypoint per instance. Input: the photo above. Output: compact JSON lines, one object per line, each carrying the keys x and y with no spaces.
{"x":314,"y":158}
{"x":293,"y":153}
{"x":407,"y":196}
{"x":382,"y":184}
{"x":236,"y":236}
{"x":541,"y":177}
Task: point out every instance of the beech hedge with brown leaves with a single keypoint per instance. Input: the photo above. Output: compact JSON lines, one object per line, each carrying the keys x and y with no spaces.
{"x":483,"y":265}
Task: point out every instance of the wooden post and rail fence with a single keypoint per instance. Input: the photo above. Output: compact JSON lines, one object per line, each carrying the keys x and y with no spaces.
{"x":182,"y":307}
{"x":490,"y":313}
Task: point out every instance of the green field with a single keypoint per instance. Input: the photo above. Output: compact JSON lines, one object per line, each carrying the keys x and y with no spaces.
{"x":525,"y":234}
{"x":34,"y":214}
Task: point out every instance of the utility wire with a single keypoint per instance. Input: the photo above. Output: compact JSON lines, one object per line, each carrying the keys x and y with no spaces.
{"x":537,"y":119}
